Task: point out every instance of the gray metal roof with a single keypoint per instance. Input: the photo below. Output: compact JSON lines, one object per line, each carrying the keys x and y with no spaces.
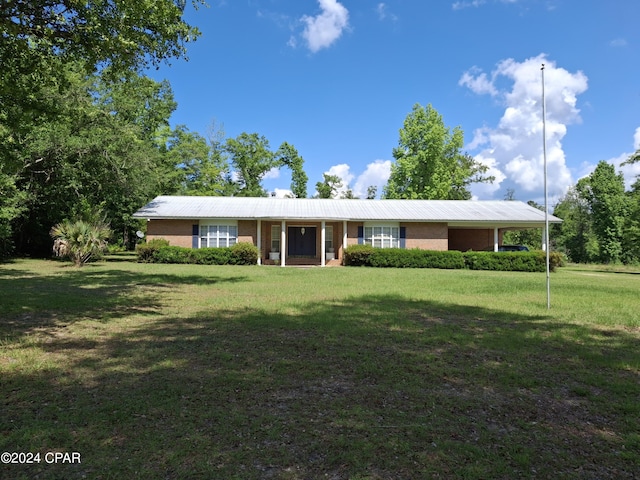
{"x":454,"y":212}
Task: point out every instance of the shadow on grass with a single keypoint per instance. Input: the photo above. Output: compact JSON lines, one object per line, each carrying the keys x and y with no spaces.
{"x":29,"y":300}
{"x":374,"y":387}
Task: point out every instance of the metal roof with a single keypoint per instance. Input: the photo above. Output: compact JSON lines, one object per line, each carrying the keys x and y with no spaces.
{"x":453,"y":212}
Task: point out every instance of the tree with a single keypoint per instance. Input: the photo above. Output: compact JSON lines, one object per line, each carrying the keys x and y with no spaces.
{"x":372,"y":191}
{"x":574,"y":236}
{"x":94,"y":151}
{"x":125,"y":35}
{"x":604,"y":192}
{"x":251,"y":160}
{"x":200,"y":168}
{"x":633,"y":158}
{"x":531,"y":237}
{"x":39,"y":38}
{"x":288,"y":156}
{"x":329,"y":186}
{"x":429,"y":162}
{"x":11,"y":206}
{"x":631,"y":232}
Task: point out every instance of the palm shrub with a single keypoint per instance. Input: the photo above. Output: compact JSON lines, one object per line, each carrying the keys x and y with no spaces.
{"x":80,"y":241}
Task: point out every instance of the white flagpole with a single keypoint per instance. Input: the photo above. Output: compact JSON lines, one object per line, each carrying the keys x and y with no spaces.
{"x":546,"y":196}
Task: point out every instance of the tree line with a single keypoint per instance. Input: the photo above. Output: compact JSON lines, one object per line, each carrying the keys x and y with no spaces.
{"x":85,"y":135}
{"x":601,"y":219}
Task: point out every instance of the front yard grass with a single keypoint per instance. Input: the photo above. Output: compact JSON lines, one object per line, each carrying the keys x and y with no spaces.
{"x":180,"y":371}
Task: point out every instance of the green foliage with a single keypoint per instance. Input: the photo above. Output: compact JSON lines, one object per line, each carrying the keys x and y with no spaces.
{"x":329,"y":186}
{"x":631,"y":232}
{"x":366,"y":255}
{"x":80,"y":241}
{"x":574,"y":236}
{"x":604,"y":193}
{"x":509,"y":261}
{"x":11,"y":206}
{"x":429,"y":162}
{"x":251,"y":160}
{"x":416,"y":258}
{"x":99,"y":149}
{"x":244,"y":253}
{"x":125,"y":35}
{"x":147,"y":250}
{"x":238,"y":254}
{"x":288,"y":156}
{"x":358,"y":255}
{"x":200,"y":168}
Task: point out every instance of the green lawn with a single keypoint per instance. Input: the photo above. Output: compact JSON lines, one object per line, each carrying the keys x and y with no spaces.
{"x":178,"y":371}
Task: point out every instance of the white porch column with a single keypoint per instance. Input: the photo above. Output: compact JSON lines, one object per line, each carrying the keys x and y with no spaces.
{"x":344,"y":238}
{"x":323,"y":236}
{"x":283,"y":242}
{"x":259,"y":241}
{"x":496,"y":239}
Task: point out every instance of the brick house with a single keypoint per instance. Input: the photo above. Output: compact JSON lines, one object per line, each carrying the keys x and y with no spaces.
{"x":316,"y":231}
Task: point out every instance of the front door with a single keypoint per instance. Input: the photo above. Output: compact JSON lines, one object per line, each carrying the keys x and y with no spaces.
{"x":301,"y":241}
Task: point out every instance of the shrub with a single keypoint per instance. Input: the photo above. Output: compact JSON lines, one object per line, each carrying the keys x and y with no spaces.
{"x":506,"y":261}
{"x":172,"y":254}
{"x":244,"y":253}
{"x":80,"y":241}
{"x":416,"y":258}
{"x":358,"y":255}
{"x":146,"y":250}
{"x":207,"y":256}
{"x":365,"y":255}
{"x":239,"y":254}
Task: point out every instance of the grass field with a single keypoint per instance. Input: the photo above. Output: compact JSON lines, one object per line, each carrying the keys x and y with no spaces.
{"x":188,"y":372}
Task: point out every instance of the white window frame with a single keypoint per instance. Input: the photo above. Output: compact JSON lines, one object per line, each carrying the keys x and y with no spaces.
{"x":328,"y":238}
{"x":219,"y":233}
{"x":382,"y":235}
{"x":275,"y":237}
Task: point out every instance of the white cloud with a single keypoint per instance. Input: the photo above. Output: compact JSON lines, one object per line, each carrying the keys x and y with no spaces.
{"x":514,"y":148}
{"x":272,"y":174}
{"x":479,"y":84}
{"x":325,"y":28}
{"x":282,"y":193}
{"x":343,"y":171}
{"x":467,"y":4}
{"x":618,"y":42}
{"x":376,"y":174}
{"x":383,"y":13}
{"x":630,"y":171}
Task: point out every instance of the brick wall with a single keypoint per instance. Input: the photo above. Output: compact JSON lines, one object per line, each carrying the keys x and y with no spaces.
{"x":177,"y":232}
{"x":464,"y":239}
{"x":247,"y":231}
{"x":427,"y":236}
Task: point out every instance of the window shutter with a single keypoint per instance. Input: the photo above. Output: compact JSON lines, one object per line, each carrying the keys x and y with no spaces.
{"x":361,"y":235}
{"x":195,"y":231}
{"x":403,"y":237}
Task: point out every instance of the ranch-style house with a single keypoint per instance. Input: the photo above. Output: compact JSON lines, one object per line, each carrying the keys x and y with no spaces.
{"x":309,"y":231}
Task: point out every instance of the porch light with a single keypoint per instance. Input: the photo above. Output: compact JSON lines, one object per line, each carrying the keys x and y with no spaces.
{"x":302,"y":230}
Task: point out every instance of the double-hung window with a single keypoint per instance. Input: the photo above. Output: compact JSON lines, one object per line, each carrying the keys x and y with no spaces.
{"x":275,"y":238}
{"x":218,"y":235}
{"x":328,"y":239}
{"x":382,"y":236}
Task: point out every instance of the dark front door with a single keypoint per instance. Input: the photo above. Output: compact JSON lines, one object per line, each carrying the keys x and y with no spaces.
{"x":301,"y":242}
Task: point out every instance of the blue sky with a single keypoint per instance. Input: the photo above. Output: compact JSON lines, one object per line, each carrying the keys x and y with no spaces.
{"x":336,"y":79}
